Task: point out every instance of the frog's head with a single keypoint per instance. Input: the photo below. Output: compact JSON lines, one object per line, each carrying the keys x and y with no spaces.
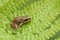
{"x":26,"y":19}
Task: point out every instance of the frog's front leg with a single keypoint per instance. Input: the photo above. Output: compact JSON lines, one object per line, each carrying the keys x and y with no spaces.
{"x":20,"y":24}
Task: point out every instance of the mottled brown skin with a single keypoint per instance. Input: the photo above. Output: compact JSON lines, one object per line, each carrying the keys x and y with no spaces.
{"x":20,"y":20}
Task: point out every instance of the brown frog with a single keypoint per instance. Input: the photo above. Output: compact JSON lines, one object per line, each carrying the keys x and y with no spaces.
{"x":20,"y":20}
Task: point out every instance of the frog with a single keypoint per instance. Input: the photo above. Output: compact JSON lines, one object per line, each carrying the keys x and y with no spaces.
{"x":19,"y":21}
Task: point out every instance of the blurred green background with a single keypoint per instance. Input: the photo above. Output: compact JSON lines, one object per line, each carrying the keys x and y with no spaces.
{"x":44,"y":25}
